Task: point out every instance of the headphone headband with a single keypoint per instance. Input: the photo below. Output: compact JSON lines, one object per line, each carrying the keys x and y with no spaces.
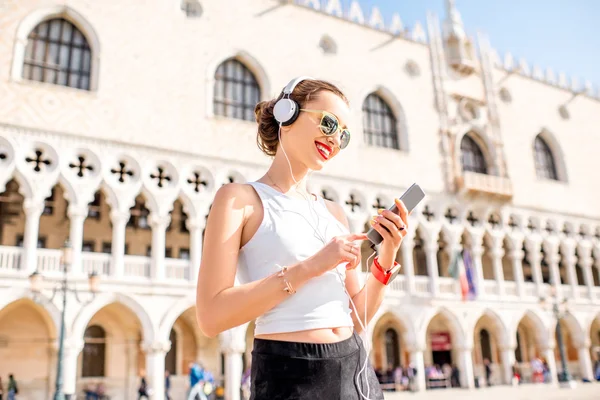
{"x":293,"y":83}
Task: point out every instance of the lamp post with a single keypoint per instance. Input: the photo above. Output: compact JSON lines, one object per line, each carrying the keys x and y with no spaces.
{"x":565,"y":376}
{"x":63,"y":287}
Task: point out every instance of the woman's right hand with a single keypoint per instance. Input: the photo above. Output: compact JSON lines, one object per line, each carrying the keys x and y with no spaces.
{"x":339,"y":249}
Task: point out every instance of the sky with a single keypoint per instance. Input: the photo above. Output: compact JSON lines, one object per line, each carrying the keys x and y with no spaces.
{"x":557,"y":34}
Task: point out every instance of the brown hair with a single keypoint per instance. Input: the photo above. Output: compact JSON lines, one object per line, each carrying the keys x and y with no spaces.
{"x":267,"y":137}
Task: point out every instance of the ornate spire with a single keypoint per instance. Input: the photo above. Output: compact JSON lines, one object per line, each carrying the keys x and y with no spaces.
{"x":459,"y":49}
{"x":453,"y":25}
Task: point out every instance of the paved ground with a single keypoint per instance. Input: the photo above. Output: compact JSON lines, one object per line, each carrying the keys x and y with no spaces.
{"x":587,"y":391}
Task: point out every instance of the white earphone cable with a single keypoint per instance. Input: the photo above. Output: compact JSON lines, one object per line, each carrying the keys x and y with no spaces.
{"x":364,"y":326}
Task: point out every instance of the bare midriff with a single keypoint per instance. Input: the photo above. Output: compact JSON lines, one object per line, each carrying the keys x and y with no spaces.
{"x":325,"y":335}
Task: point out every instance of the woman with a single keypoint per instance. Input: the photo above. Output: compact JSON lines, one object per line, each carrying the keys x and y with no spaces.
{"x":295,"y":258}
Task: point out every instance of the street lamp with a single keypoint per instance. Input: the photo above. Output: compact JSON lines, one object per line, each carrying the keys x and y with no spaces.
{"x":63,"y":287}
{"x":565,"y":376}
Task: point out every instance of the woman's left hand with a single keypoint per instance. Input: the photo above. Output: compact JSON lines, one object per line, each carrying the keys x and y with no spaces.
{"x":392,"y":227}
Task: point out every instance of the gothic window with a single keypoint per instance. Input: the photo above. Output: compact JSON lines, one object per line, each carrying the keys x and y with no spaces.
{"x":379,"y":123}
{"x":184,"y":254}
{"x":138,"y":217}
{"x":171,"y":357}
{"x":88,"y":246}
{"x":94,"y":207}
{"x":236,"y":91}
{"x":57,"y":52}
{"x":471,"y":156}
{"x":94,"y":352}
{"x":49,"y":203}
{"x":392,"y":348}
{"x":545,"y":167}
{"x":486,"y":347}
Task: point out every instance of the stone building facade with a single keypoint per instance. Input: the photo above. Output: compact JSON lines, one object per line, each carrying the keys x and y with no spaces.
{"x":120,"y":120}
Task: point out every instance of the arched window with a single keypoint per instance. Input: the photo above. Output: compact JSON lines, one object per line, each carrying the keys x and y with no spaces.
{"x":236,"y":91}
{"x":471,"y":156}
{"x":392,"y":348}
{"x":379,"y":123}
{"x":545,"y":167}
{"x":171,"y":357}
{"x":94,"y":355}
{"x":486,"y":346}
{"x":57,"y":52}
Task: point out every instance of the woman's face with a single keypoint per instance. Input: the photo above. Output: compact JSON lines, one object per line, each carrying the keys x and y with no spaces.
{"x":304,"y":141}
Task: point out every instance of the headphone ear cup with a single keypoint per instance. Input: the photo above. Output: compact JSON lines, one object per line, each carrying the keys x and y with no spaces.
{"x":286,"y":111}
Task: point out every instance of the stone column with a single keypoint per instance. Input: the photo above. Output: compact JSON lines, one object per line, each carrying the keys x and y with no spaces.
{"x":408,"y":245}
{"x":77,"y":217}
{"x":516,"y":256}
{"x":33,"y":210}
{"x":586,"y":261}
{"x":195,"y":226}
{"x":533,"y":245}
{"x":155,"y":368}
{"x":432,"y":267}
{"x":548,"y":355}
{"x":568,"y":248}
{"x":551,"y":250}
{"x":508,"y":360}
{"x":497,"y":252}
{"x":476,"y":254}
{"x":465,"y":365}
{"x":233,"y":345}
{"x":71,"y":352}
{"x":159,"y":231}
{"x":119,"y":223}
{"x":417,"y":361}
{"x":585,"y":361}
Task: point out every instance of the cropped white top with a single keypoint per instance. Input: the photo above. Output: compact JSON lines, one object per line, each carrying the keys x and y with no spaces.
{"x":287,"y":236}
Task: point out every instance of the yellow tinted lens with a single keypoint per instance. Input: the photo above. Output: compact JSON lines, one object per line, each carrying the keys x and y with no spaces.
{"x":344,"y":139}
{"x":329,"y":124}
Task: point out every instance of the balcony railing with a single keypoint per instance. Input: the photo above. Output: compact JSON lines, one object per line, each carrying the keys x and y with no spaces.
{"x":510,"y":288}
{"x":10,"y":258}
{"x":139,"y":269}
{"x":494,"y":185}
{"x":134,"y":267}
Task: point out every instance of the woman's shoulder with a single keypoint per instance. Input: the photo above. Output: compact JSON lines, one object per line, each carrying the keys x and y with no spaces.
{"x":238,"y":193}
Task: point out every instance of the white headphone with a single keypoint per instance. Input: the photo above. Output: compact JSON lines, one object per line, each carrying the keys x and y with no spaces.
{"x":286,"y":110}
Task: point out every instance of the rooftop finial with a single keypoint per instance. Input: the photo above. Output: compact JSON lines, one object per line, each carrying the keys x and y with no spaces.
{"x":454,"y":25}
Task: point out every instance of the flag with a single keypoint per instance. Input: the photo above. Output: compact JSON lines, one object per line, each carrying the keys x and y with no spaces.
{"x":468,"y":262}
{"x":457,"y":271}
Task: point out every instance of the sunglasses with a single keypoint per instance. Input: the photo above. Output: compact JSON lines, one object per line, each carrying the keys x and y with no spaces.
{"x":330,"y":125}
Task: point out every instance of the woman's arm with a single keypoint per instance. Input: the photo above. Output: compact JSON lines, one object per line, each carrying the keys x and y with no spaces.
{"x":372,"y":292}
{"x":220,"y":305}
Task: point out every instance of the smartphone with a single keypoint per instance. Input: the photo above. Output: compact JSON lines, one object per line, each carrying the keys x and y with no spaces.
{"x":410,"y":198}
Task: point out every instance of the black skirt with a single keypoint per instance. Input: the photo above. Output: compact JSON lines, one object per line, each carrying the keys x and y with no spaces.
{"x":312,"y":371}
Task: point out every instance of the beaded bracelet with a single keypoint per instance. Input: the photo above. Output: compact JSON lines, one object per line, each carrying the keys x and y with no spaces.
{"x":288,"y":286}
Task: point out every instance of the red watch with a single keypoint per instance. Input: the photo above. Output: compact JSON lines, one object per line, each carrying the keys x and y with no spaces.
{"x":383,"y":276}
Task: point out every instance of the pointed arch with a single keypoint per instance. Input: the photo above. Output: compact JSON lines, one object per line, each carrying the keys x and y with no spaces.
{"x":474,"y":156}
{"x":458,"y":332}
{"x":86,"y":314}
{"x":48,"y":311}
{"x":546,"y":138}
{"x":397,"y":111}
{"x":247,"y":60}
{"x":69,"y":14}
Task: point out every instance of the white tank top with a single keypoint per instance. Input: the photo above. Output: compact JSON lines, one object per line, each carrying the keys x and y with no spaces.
{"x":285,"y":237}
